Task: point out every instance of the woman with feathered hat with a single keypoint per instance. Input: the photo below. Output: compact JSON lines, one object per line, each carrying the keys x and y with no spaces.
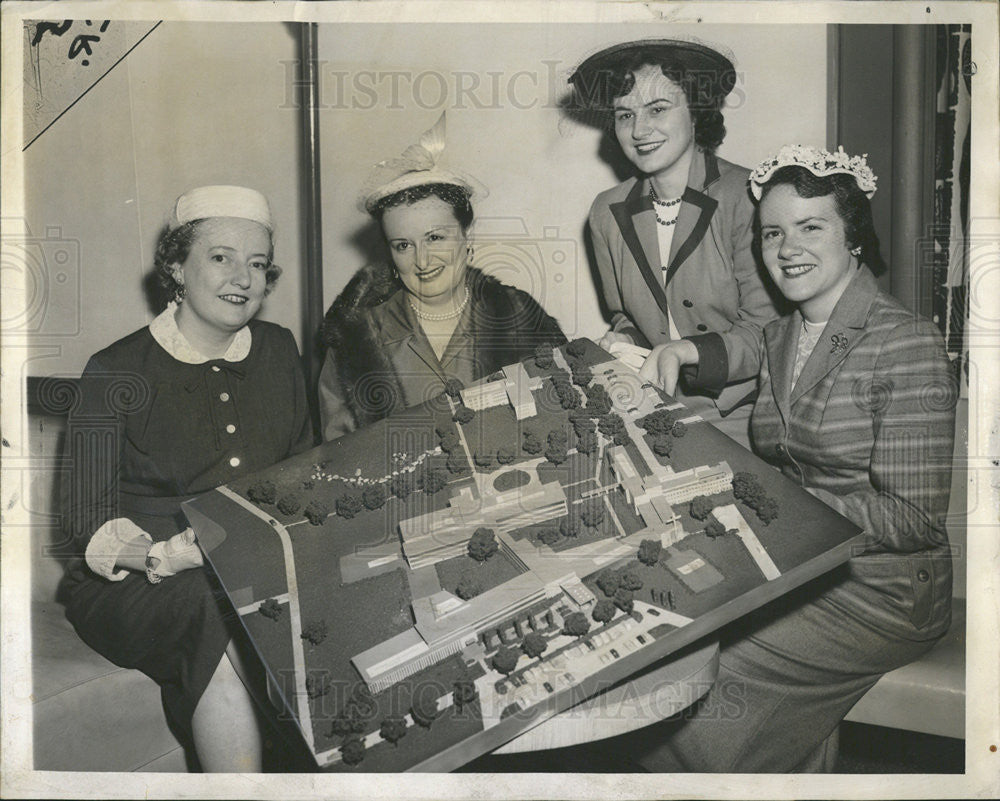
{"x":398,"y":333}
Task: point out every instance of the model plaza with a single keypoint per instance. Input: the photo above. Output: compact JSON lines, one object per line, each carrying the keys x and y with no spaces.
{"x":548,"y":584}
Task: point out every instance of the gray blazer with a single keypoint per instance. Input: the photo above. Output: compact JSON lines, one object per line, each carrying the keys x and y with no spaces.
{"x":715,"y":289}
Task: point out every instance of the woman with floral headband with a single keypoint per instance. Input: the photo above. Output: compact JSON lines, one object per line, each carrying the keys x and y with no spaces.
{"x":856,"y":404}
{"x":397,"y":335}
{"x":673,"y":243}
{"x":202,"y":395}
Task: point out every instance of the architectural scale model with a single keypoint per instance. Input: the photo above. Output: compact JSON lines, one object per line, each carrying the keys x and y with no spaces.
{"x":461,"y":571}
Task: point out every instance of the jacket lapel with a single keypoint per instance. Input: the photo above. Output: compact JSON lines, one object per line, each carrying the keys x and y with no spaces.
{"x":637,"y":222}
{"x":696,"y":211}
{"x":780,"y":343}
{"x":840,"y":334}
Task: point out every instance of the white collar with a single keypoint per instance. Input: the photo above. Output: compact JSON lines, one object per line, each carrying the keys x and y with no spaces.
{"x":165,"y":331}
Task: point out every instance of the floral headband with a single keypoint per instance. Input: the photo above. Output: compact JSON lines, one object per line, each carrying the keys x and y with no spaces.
{"x":420,"y":164}
{"x":818,"y":162}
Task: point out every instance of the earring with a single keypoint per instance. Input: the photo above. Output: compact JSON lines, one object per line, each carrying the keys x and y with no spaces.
{"x":179,"y":294}
{"x":856,"y":251}
{"x":471,"y":253}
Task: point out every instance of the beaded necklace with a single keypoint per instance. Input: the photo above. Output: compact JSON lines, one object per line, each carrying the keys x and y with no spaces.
{"x":669,"y":208}
{"x":438,"y":317}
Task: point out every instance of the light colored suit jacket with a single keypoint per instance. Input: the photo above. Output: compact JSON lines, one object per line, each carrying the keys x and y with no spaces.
{"x":869,"y":429}
{"x":715,"y":289}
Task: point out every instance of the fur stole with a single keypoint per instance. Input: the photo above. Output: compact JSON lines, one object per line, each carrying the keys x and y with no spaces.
{"x":507,"y":325}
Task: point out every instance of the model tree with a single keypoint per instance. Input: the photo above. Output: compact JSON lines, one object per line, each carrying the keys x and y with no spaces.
{"x":570,"y":526}
{"x":608,"y":581}
{"x":453,"y":388}
{"x":582,"y":375}
{"x":505,"y":455}
{"x":577,"y":348}
{"x":630,"y":581}
{"x":623,"y":600}
{"x":543,"y":357}
{"x":580,"y":420}
{"x":349,"y":504}
{"x":315,"y":632}
{"x":457,"y":463}
{"x":373,"y":496}
{"x":649,"y":552}
{"x":505,"y":660}
{"x":663,"y":445}
{"x":463,"y":414}
{"x":262,"y":492}
{"x":349,"y":721}
{"x":433,"y":480}
{"x":316,"y":512}
{"x":558,"y":444}
{"x":569,"y":398}
{"x":482,"y":544}
{"x":657,"y":423}
{"x":532,"y":444}
{"x":402,"y":484}
{"x":424,"y":708}
{"x":468,"y":587}
{"x":701,"y":507}
{"x":678,"y":429}
{"x":289,"y":504}
{"x":549,"y":536}
{"x":483,"y":458}
{"x":392,"y":730}
{"x":598,"y":400}
{"x":270,"y":609}
{"x":746,"y":488}
{"x":713,"y":528}
{"x":464,"y":692}
{"x":576,"y":624}
{"x":609,"y":423}
{"x":449,"y":441}
{"x":767,"y":510}
{"x":592,"y":514}
{"x":603,"y":611}
{"x":534,"y":645}
{"x":587,"y":442}
{"x":353,"y":751}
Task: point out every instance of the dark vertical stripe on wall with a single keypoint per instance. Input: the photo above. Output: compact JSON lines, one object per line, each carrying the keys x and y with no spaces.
{"x":913,"y":109}
{"x":860,"y":116}
{"x":833,"y":101}
{"x":309,"y":105}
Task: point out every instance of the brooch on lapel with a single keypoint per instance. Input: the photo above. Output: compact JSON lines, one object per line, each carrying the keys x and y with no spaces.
{"x":839,"y":343}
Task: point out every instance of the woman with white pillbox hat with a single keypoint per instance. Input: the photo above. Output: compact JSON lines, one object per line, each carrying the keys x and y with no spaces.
{"x":201,"y":396}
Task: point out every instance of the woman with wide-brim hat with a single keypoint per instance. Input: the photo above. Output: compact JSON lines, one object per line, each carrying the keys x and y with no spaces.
{"x":673,"y":243}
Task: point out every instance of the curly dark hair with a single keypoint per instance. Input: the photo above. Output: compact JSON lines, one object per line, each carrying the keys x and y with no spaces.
{"x":851,"y":202}
{"x":704,"y":91}
{"x":454,"y":196}
{"x":173,"y":245}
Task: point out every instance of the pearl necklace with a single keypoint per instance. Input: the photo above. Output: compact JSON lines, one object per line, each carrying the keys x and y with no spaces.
{"x":438,"y":317}
{"x":663,"y":204}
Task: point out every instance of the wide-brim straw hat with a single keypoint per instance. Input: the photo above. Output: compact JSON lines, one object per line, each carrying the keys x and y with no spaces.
{"x":591,"y":79}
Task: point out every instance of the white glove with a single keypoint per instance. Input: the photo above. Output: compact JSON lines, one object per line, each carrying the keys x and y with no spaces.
{"x":611,"y":337}
{"x":176,"y":554}
{"x":632,"y":355}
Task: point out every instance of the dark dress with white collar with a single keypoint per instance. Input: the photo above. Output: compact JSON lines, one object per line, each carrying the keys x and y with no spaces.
{"x":147,"y":432}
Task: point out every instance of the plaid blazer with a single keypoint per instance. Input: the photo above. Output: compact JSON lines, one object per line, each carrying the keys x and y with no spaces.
{"x":869,"y":429}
